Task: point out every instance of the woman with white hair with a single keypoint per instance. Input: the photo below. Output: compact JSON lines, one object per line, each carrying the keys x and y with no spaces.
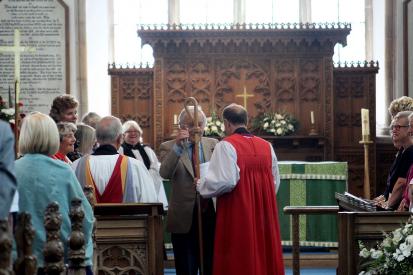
{"x":42,"y":180}
{"x":85,"y":139}
{"x":132,"y":147}
{"x":67,"y":139}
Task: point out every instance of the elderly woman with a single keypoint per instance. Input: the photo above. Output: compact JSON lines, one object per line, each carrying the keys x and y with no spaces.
{"x":133,"y":147}
{"x":91,"y":119}
{"x":64,"y":108}
{"x":67,"y":138}
{"x":42,"y":180}
{"x":85,"y":139}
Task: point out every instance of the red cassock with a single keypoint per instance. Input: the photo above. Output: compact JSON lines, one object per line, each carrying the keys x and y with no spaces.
{"x":247,"y":237}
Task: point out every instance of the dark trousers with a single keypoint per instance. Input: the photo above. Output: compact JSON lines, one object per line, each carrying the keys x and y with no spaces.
{"x":186,"y":246}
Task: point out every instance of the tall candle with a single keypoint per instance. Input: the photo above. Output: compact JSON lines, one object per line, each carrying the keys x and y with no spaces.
{"x":10,"y":103}
{"x":365,"y":123}
{"x":312,"y":117}
{"x":175,"y":119}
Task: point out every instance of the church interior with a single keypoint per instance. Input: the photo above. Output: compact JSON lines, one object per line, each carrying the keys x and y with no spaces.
{"x":327,"y":83}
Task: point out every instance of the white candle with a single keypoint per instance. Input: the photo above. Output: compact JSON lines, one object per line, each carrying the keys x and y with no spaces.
{"x":175,"y":119}
{"x":312,"y":117}
{"x":365,"y":123}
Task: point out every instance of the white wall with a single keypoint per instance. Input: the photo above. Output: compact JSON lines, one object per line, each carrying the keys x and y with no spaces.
{"x":97,"y":31}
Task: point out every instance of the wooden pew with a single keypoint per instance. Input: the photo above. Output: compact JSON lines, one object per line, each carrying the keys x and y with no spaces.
{"x":367,"y":227}
{"x":129,"y":238}
{"x":53,"y":248}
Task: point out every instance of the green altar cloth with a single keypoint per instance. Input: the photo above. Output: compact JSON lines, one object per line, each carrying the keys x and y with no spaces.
{"x":310,"y":183}
{"x":305,"y":183}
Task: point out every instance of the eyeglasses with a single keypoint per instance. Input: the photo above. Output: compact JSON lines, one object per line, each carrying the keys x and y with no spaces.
{"x":398,"y":127}
{"x":132,"y":132}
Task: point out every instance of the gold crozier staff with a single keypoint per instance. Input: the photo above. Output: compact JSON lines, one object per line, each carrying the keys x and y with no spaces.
{"x":197,"y":139}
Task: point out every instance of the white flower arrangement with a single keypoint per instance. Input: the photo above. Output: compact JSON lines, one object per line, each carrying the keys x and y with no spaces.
{"x":6,"y":114}
{"x":394,"y":255}
{"x":400,"y":104}
{"x":214,"y":127}
{"x":277,"y":124}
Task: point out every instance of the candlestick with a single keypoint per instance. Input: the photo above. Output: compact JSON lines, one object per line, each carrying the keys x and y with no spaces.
{"x":175,"y":119}
{"x":312,"y":117}
{"x":10,"y":102}
{"x":365,"y":123}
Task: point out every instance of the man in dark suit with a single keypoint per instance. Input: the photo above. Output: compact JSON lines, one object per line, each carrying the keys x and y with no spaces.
{"x":8,"y":182}
{"x":177,"y":166}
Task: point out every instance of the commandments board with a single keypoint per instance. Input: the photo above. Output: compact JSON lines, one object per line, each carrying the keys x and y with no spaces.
{"x":44,"y":72}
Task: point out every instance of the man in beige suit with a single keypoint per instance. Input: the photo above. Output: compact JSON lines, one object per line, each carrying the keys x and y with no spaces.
{"x":176,"y":165}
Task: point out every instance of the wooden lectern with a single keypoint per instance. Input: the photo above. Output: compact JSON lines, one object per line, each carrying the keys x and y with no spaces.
{"x":129,"y":238}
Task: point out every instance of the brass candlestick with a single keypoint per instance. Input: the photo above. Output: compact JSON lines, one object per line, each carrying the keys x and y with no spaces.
{"x":313,"y":131}
{"x":366,"y":187}
{"x":175,"y":128}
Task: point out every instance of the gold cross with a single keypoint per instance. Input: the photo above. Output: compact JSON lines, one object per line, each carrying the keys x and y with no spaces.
{"x":245,"y":96}
{"x":16,"y":49}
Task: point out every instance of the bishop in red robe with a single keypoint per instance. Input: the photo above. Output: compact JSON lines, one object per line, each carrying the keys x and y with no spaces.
{"x":243,"y":175}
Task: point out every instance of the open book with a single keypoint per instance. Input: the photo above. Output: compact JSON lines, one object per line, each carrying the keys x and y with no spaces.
{"x":350,"y":202}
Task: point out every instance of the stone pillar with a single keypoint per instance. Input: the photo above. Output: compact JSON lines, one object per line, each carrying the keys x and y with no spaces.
{"x":305,"y":11}
{"x":174,"y":12}
{"x":239,"y":11}
{"x":389,"y":55}
{"x":82,"y":46}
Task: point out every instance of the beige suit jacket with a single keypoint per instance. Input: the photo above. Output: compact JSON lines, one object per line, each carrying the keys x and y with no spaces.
{"x":178,"y":169}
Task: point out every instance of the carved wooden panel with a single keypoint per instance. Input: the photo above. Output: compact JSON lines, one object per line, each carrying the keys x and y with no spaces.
{"x":282,"y":68}
{"x":286,"y":69}
{"x":132,"y":97}
{"x":354,"y":88}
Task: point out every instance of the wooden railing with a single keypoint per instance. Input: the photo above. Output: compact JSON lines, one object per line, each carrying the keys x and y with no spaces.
{"x":296,"y":211}
{"x":53,"y":248}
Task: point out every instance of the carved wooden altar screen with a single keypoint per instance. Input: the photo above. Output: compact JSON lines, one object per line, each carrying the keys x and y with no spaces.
{"x":282,"y":67}
{"x":285,"y":69}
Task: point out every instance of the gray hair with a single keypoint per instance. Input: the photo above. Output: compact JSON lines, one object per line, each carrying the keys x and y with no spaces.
{"x":91,"y":119}
{"x":183,"y":115}
{"x":403,"y":114}
{"x":108,"y":130}
{"x":65,"y":128}
{"x":131,"y":124}
{"x":86,"y":138}
{"x":38,"y":135}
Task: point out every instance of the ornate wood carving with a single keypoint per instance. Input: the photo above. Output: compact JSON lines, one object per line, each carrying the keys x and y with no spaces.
{"x":285,"y":67}
{"x":24,"y":235}
{"x":125,"y":259}
{"x":5,"y":248}
{"x":355,"y":89}
{"x":129,"y":239}
{"x":53,"y":248}
{"x":76,"y":242}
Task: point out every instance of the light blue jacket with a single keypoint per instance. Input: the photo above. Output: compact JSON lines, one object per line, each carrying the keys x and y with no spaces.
{"x":7,"y":178}
{"x":42,"y":180}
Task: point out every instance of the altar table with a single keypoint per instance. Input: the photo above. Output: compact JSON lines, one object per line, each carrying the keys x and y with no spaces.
{"x":311,"y":183}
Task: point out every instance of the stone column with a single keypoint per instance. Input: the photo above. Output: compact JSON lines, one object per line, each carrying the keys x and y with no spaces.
{"x":389,"y":55}
{"x":305,"y":11}
{"x":174,"y":12}
{"x":82,"y":50}
{"x":239,"y":11}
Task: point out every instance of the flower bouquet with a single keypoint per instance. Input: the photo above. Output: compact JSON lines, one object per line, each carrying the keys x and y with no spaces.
{"x":392,"y":256}
{"x":214,"y":127}
{"x":6,"y":114}
{"x":400,"y":104}
{"x":277,"y":124}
